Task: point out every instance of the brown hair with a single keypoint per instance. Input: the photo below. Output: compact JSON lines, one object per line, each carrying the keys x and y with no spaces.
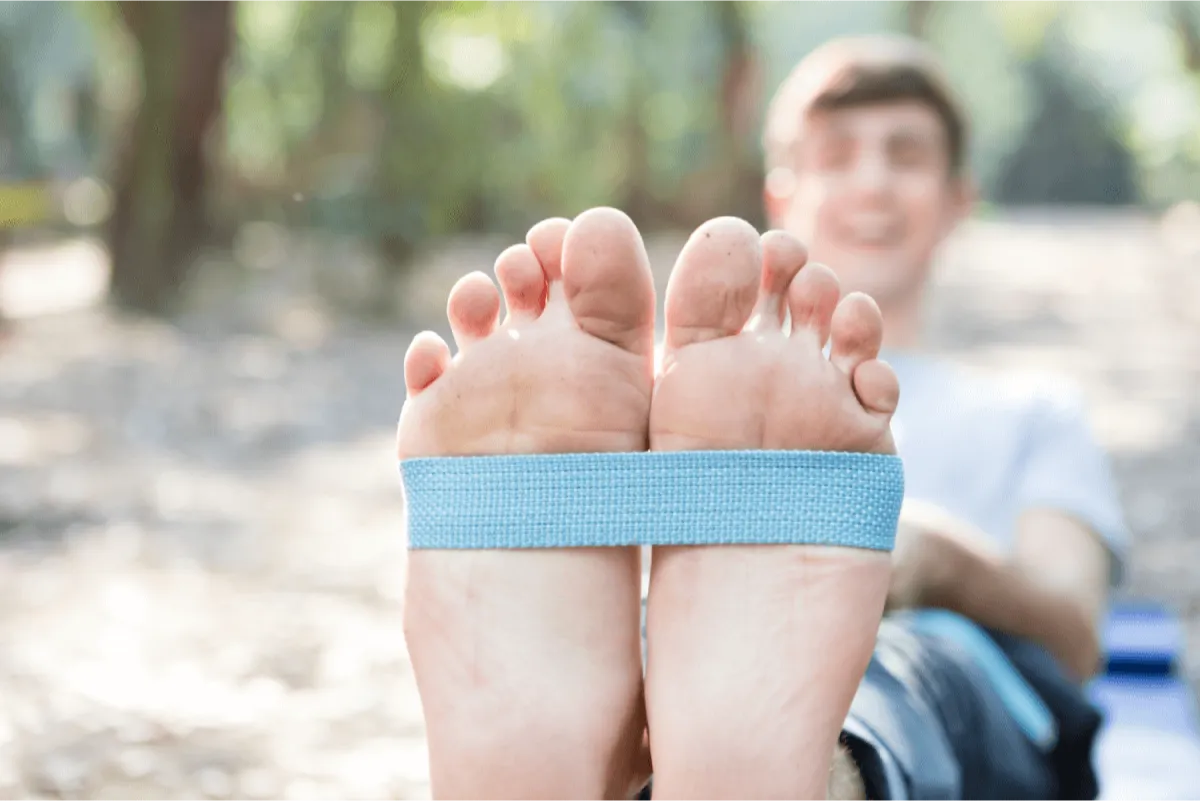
{"x":862,"y":71}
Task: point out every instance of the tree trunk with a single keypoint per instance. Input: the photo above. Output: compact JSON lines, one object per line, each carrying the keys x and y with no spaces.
{"x":743,"y":173}
{"x":16,"y":150}
{"x":407,"y":149}
{"x":635,"y":198}
{"x":159,"y":217}
{"x":210,"y":37}
{"x":143,"y":206}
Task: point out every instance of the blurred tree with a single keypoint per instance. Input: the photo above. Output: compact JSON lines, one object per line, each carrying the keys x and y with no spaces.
{"x":329,"y":26}
{"x":1183,"y":15}
{"x":85,"y":108}
{"x":916,"y":17}
{"x":636,"y":195}
{"x":411,"y":159}
{"x":1072,"y":153}
{"x":407,"y":122}
{"x":159,"y":216}
{"x":736,"y":155}
{"x":16,"y":149}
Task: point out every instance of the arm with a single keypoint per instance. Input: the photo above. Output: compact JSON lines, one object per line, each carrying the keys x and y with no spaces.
{"x":1051,"y":589}
{"x":1069,"y":536}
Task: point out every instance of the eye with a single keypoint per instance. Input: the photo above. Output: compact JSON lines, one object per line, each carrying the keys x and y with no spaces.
{"x":833,"y":153}
{"x":909,"y":152}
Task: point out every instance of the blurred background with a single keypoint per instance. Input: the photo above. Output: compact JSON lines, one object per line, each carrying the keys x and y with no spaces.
{"x":221,"y":222}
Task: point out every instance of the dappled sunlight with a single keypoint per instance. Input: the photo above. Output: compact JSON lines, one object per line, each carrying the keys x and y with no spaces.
{"x":52,"y":278}
{"x":472,"y":61}
{"x":1181,"y":229}
{"x":222,"y":620}
{"x":1095,"y":301}
{"x":172,"y":674}
{"x":40,"y":437}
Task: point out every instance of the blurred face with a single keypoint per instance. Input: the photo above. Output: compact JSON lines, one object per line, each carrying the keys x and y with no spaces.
{"x":872,"y":195}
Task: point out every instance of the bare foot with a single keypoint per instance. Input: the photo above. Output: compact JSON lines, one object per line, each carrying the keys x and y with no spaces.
{"x":528,"y":663}
{"x":755,"y":652}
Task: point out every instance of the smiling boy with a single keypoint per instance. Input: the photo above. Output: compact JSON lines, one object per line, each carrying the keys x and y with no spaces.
{"x":1011,"y":517}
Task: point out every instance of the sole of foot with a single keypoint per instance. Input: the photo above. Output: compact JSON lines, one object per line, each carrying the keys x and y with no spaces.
{"x":528,"y":663}
{"x":755,"y":652}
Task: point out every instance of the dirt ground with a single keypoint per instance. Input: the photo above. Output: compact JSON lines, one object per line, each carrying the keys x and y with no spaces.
{"x":201,"y":548}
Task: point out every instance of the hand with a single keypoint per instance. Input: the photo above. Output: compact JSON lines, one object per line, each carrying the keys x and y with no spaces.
{"x":921,"y":558}
{"x":911,"y":567}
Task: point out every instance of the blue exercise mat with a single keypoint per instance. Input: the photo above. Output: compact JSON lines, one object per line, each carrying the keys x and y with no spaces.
{"x":1149,"y":746}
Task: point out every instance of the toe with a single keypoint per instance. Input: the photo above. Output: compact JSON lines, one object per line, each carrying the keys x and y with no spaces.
{"x":782,"y":257}
{"x":522,"y":281}
{"x":473,"y":309}
{"x":856,"y":331}
{"x":876,"y":386}
{"x":427,"y":358}
{"x":713,"y":286}
{"x":607,"y":280}
{"x":812,"y":298}
{"x":546,"y":240}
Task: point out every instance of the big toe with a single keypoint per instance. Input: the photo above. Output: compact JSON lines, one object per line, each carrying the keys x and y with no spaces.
{"x":715,"y":282}
{"x":607,"y":280}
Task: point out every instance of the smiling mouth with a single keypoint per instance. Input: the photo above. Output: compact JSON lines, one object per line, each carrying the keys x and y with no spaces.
{"x":873,"y":242}
{"x":872,"y":236}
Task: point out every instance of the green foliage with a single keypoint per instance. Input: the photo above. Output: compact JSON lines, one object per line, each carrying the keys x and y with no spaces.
{"x":407,"y":121}
{"x":1072,"y":152}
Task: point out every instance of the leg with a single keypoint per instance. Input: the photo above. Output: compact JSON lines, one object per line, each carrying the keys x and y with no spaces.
{"x":927,"y":723}
{"x":754,"y":652}
{"x":528,"y":663}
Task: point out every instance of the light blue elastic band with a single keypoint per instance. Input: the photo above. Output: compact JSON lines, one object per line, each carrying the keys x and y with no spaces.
{"x":1022,"y":701}
{"x":686,"y":498}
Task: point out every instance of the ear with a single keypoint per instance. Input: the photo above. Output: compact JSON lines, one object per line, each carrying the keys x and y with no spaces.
{"x":965,"y":194}
{"x":777,"y":193}
{"x":961,"y":194}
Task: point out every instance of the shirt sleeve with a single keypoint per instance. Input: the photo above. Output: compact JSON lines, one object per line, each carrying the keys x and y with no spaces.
{"x":1067,"y":470}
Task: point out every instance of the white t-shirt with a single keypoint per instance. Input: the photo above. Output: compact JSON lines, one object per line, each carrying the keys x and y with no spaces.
{"x":985,"y":448}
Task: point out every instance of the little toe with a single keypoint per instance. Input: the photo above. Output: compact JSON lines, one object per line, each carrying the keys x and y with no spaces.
{"x":522,"y":281}
{"x":876,"y":386}
{"x":427,"y":358}
{"x":812,"y":297}
{"x":607,"y":280}
{"x":857,"y":332}
{"x":473,"y":309}
{"x":714,"y":284}
{"x":782,"y":257}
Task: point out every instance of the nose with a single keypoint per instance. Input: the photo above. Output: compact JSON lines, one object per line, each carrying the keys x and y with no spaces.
{"x":872,"y":175}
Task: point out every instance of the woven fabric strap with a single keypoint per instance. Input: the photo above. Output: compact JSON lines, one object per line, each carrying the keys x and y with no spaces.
{"x":686,"y":498}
